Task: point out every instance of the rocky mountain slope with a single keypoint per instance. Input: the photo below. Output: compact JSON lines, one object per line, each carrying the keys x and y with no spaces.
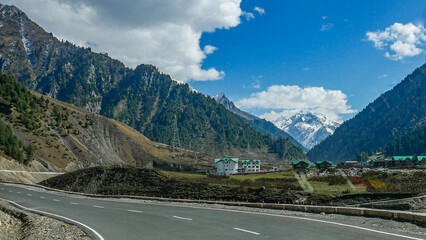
{"x":143,"y":98}
{"x":257,"y":123}
{"x":307,"y":128}
{"x":396,"y":112}
{"x":64,"y":137}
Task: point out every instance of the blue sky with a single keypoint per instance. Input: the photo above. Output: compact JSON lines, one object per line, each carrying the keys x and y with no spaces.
{"x":285,"y":46}
{"x":296,"y":55}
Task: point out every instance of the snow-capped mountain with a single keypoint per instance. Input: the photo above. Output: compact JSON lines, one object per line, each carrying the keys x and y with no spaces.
{"x":261,"y":125}
{"x":307,"y":128}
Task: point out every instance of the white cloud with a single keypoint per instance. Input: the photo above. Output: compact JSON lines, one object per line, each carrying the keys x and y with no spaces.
{"x":384,"y":75}
{"x":399,"y":40}
{"x":249,"y":16}
{"x":331,"y":103}
{"x":164,"y":33}
{"x":260,"y":10}
{"x":324,"y":17}
{"x":256,"y":82}
{"x":209,"y":49}
{"x":326,"y":27}
{"x":306,"y":69}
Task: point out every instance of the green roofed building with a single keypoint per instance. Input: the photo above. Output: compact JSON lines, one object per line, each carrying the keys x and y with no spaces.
{"x":300,"y":164}
{"x":323,"y":164}
{"x":401,"y":161}
{"x":250,"y":166}
{"x":226,"y":166}
{"x":419,"y":161}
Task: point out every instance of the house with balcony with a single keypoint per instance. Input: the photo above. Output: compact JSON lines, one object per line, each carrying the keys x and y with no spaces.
{"x":250,"y":166}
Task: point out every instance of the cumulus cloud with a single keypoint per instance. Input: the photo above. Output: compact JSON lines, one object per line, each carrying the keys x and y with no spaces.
{"x":331,"y":103}
{"x":260,"y":10}
{"x":326,"y":27}
{"x":249,"y":16}
{"x":209,"y":49}
{"x":399,"y":40}
{"x":306,"y":69}
{"x":164,"y":33}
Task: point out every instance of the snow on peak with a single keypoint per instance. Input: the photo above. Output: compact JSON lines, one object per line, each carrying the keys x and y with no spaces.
{"x":306,"y":127}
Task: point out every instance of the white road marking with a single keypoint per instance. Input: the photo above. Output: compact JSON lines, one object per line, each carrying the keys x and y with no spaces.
{"x":73,"y":203}
{"x":283,"y":216}
{"x":42,"y":197}
{"x":56,"y":200}
{"x":247,"y":231}
{"x":58,"y":216}
{"x":236,"y":211}
{"x":136,"y":211}
{"x":183,"y":218}
{"x":96,"y":206}
{"x":29,"y":194}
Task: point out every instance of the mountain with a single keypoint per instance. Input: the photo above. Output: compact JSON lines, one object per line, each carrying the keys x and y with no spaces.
{"x":257,"y":123}
{"x":412,"y":143}
{"x":396,"y":112}
{"x":307,"y":128}
{"x":37,"y":130}
{"x":143,"y":98}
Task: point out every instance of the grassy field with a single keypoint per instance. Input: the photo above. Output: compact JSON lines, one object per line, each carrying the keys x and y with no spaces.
{"x":280,"y":179}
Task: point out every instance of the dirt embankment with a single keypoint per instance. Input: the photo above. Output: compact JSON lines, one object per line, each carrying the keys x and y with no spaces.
{"x":147,"y":182}
{"x":17,"y":224}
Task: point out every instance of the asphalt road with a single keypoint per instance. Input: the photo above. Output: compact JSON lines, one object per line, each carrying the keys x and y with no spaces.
{"x":118,"y":219}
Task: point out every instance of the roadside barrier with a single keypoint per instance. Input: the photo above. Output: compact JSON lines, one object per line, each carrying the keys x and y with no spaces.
{"x":417,"y":218}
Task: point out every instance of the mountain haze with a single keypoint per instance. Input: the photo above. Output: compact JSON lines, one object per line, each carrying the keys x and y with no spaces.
{"x":396,"y":112}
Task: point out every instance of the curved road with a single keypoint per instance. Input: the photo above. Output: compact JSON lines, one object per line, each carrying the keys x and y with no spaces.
{"x":120,"y":219}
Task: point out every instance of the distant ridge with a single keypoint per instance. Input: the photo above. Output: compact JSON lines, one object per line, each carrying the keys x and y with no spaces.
{"x":396,"y":112}
{"x":257,"y":123}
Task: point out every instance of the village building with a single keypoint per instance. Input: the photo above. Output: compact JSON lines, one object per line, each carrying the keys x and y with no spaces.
{"x":226,"y":166}
{"x":401,"y":161}
{"x":323,"y":164}
{"x":419,"y":161}
{"x":300,"y":164}
{"x":250,"y":166}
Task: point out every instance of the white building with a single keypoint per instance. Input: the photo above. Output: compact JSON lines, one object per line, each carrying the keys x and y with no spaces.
{"x":226,"y":166}
{"x":250,"y":166}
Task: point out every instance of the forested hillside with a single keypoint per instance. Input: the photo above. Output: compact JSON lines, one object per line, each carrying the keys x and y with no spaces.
{"x":143,"y":98}
{"x":63,"y":137}
{"x":413,"y":143}
{"x":393,"y":114}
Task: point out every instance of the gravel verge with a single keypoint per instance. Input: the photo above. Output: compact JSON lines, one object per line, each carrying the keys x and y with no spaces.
{"x":18,"y":224}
